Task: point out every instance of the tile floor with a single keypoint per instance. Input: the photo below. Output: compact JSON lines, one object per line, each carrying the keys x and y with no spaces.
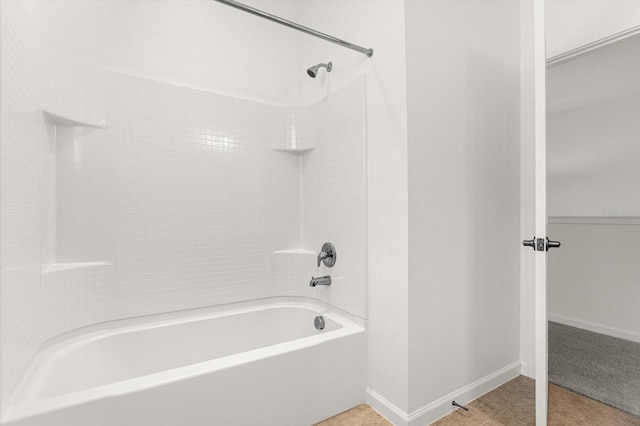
{"x":511,"y":404}
{"x":362,"y":415}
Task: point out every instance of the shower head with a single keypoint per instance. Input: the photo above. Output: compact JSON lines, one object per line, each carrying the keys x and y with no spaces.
{"x":313,"y":71}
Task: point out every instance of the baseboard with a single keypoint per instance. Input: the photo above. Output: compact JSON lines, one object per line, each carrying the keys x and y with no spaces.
{"x":441,"y":407}
{"x":596,"y":328}
{"x":388,"y":410}
{"x":526,"y":371}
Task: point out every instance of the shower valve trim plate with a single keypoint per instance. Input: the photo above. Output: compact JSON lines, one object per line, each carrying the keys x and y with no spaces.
{"x":327,"y":255}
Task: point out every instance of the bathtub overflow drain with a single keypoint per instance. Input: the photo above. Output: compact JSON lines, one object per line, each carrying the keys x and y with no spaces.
{"x":319,"y":322}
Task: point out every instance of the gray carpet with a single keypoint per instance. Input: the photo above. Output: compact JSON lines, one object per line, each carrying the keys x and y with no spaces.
{"x":600,"y":367}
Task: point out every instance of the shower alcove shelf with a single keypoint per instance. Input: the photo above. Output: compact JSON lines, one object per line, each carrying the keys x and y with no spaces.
{"x":300,"y":251}
{"x":78,"y":199}
{"x":290,"y":166}
{"x":295,"y":151}
{"x":297,"y":253}
{"x":56,"y":119}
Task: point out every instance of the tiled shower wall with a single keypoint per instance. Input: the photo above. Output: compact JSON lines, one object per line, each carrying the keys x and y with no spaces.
{"x":21,"y":130}
{"x":334,"y":203}
{"x":203,"y":199}
{"x":193,"y":187}
{"x":191,"y":195}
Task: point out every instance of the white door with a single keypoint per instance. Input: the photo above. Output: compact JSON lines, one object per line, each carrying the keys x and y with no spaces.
{"x":540,"y":269}
{"x":540,"y":215}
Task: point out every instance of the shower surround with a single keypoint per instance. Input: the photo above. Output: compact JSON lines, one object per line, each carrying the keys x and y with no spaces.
{"x":130,"y":197}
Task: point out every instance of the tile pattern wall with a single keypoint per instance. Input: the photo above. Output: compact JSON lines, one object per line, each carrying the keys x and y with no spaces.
{"x":38,"y":302}
{"x":193,"y":192}
{"x":190,"y":178}
{"x":334,"y":192}
{"x":75,"y":296}
{"x":21,"y":132}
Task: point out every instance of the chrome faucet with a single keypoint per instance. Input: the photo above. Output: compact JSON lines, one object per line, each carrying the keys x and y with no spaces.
{"x":327,"y":255}
{"x":326,"y":280}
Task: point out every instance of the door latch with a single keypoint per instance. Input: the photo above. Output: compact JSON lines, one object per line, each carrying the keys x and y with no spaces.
{"x":541,"y":244}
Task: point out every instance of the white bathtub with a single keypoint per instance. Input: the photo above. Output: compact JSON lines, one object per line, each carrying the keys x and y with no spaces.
{"x":251,"y":363}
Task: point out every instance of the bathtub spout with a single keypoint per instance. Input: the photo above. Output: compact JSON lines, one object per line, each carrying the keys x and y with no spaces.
{"x":326,"y":280}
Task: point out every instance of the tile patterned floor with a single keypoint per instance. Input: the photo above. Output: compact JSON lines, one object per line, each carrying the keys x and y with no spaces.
{"x":569,"y":408}
{"x":512,"y":404}
{"x":362,"y":415}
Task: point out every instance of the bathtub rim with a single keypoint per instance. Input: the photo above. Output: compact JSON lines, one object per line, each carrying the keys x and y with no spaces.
{"x":23,"y":404}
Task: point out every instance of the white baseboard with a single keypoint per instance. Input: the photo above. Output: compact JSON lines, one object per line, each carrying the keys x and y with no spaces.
{"x":526,"y":371}
{"x":388,"y":410}
{"x":596,"y":328}
{"x":441,"y":407}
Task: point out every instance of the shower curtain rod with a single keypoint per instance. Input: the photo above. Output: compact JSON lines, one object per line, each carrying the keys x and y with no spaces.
{"x":273,"y":18}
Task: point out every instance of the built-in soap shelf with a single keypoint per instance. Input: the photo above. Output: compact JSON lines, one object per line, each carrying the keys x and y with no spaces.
{"x":73,"y":162}
{"x":65,"y":266}
{"x":295,"y":251}
{"x":61,"y":120}
{"x":295,"y":151}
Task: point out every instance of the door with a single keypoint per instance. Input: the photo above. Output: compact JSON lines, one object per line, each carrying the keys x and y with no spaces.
{"x":540,"y":242}
{"x":540,"y":178}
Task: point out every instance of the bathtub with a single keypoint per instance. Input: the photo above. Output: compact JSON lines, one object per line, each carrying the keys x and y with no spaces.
{"x":252,"y":363}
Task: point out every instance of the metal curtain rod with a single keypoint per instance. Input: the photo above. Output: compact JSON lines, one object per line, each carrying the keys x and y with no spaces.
{"x":273,"y":18}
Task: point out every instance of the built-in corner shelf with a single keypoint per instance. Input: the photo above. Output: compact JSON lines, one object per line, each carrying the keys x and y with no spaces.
{"x":65,"y":266}
{"x":294,"y":251}
{"x":295,"y":151}
{"x":61,"y":120}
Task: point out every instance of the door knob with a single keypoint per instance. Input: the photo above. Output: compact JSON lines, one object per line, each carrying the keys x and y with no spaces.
{"x":540,"y":244}
{"x":530,"y":243}
{"x":552,"y":244}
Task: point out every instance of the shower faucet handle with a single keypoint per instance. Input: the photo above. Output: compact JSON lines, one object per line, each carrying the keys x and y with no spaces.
{"x":327,"y":255}
{"x":321,"y":256}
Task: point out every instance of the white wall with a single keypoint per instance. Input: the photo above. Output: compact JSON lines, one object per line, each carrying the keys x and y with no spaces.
{"x":594,"y":159}
{"x":463,"y":80}
{"x":593,"y":139}
{"x":603,"y":74}
{"x":574,"y":23}
{"x":377,"y":24}
{"x":593,"y":279}
{"x":193,"y":43}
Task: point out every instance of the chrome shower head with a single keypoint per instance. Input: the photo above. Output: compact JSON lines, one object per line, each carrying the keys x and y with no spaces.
{"x":313,"y":71}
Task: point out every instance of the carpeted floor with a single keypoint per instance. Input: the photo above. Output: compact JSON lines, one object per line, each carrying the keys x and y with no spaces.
{"x":601,"y":367}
